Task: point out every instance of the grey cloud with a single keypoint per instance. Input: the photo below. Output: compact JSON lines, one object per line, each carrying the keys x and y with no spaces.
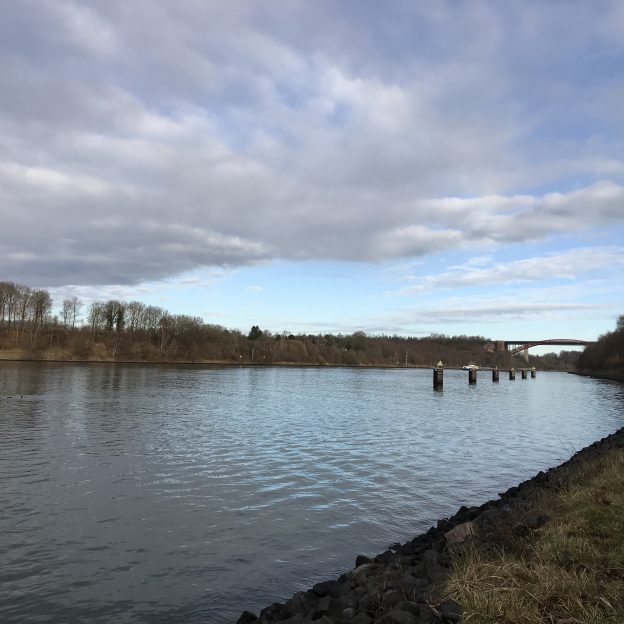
{"x":508,"y":219}
{"x":487,"y":313}
{"x":140,"y":140}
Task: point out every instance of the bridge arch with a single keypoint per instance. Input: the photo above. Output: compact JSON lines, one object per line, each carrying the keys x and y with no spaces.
{"x":517,"y":346}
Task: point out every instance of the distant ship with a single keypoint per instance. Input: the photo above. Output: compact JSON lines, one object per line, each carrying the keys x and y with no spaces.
{"x":471,"y":367}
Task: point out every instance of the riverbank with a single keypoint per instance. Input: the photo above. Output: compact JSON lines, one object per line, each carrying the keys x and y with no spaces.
{"x":409,"y":583}
{"x":14,"y":357}
{"x":610,"y":375}
{"x":55,"y":358}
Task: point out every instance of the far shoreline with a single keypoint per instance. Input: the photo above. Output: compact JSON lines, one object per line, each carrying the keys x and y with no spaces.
{"x":607,"y":375}
{"x":248,"y":364}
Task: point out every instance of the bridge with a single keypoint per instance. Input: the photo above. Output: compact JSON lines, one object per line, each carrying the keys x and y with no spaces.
{"x":517,"y":346}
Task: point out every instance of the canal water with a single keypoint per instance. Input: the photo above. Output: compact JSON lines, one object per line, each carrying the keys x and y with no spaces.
{"x":133,"y":493}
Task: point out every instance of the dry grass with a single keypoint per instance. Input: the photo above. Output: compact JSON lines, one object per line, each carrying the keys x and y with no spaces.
{"x":570,"y":569}
{"x":13,"y":354}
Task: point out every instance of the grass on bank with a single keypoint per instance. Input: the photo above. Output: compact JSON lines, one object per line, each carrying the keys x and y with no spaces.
{"x":571,"y":569}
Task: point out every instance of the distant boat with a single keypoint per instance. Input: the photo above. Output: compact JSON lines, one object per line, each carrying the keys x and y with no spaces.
{"x":471,"y":367}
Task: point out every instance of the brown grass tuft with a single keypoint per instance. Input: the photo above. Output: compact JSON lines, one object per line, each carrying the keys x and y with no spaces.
{"x":572,"y":568}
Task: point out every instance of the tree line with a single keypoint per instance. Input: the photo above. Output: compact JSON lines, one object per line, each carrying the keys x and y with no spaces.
{"x":26,"y":310}
{"x":132,"y":330}
{"x":607,"y":353}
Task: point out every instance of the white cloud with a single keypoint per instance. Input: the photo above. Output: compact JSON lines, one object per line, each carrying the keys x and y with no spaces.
{"x":567,"y":265}
{"x":50,"y":180}
{"x":143,"y":140}
{"x":501,"y":312}
{"x":82,"y":26}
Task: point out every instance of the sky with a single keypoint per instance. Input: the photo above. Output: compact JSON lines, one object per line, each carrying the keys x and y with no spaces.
{"x":330,"y":166}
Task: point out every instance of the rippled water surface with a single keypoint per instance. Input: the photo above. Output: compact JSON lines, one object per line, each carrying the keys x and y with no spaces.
{"x":179,"y":494}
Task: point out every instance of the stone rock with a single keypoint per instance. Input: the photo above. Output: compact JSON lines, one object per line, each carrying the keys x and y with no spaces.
{"x":361,"y":560}
{"x":349,"y":601}
{"x":421,"y":587}
{"x":465,"y":513}
{"x":409,"y":606}
{"x":450,"y":611}
{"x":358,"y":575}
{"x":390,"y":598}
{"x":299,"y":603}
{"x":489,"y":516}
{"x":247,"y":617}
{"x":341,"y":589}
{"x":359,"y":591}
{"x":349,"y":613}
{"x":427,"y":616}
{"x":321,"y":607}
{"x":396,"y":617}
{"x":364,"y":603}
{"x":385,"y":557}
{"x":443,"y":525}
{"x":271,"y":612}
{"x":415,"y":589}
{"x":322,"y":589}
{"x":460,"y":533}
{"x":431,"y":561}
{"x":512,"y":492}
{"x":362,"y":618}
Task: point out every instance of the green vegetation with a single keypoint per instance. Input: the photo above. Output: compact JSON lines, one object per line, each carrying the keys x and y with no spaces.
{"x":132,"y":331}
{"x":607,"y":354}
{"x":569,"y":570}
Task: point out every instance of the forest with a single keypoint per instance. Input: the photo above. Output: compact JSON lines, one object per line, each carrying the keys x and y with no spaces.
{"x":131,"y":331}
{"x":607,"y":353}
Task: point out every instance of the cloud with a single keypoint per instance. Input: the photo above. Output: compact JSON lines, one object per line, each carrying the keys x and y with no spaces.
{"x":567,"y":265}
{"x":521,"y":218}
{"x":144,"y":140}
{"x":498,"y":312}
{"x":156,"y":291}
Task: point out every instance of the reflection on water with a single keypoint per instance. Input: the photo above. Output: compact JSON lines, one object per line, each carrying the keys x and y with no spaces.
{"x":180,"y":494}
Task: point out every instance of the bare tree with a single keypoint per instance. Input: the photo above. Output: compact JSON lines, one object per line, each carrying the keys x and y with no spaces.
{"x":66,"y":312}
{"x":134,"y":313}
{"x":96,"y":316}
{"x":151,"y":319}
{"x":10,"y":299}
{"x":22,"y":307}
{"x":3,"y":301}
{"x":114,"y":315}
{"x":76,"y":306}
{"x":39,"y":306}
